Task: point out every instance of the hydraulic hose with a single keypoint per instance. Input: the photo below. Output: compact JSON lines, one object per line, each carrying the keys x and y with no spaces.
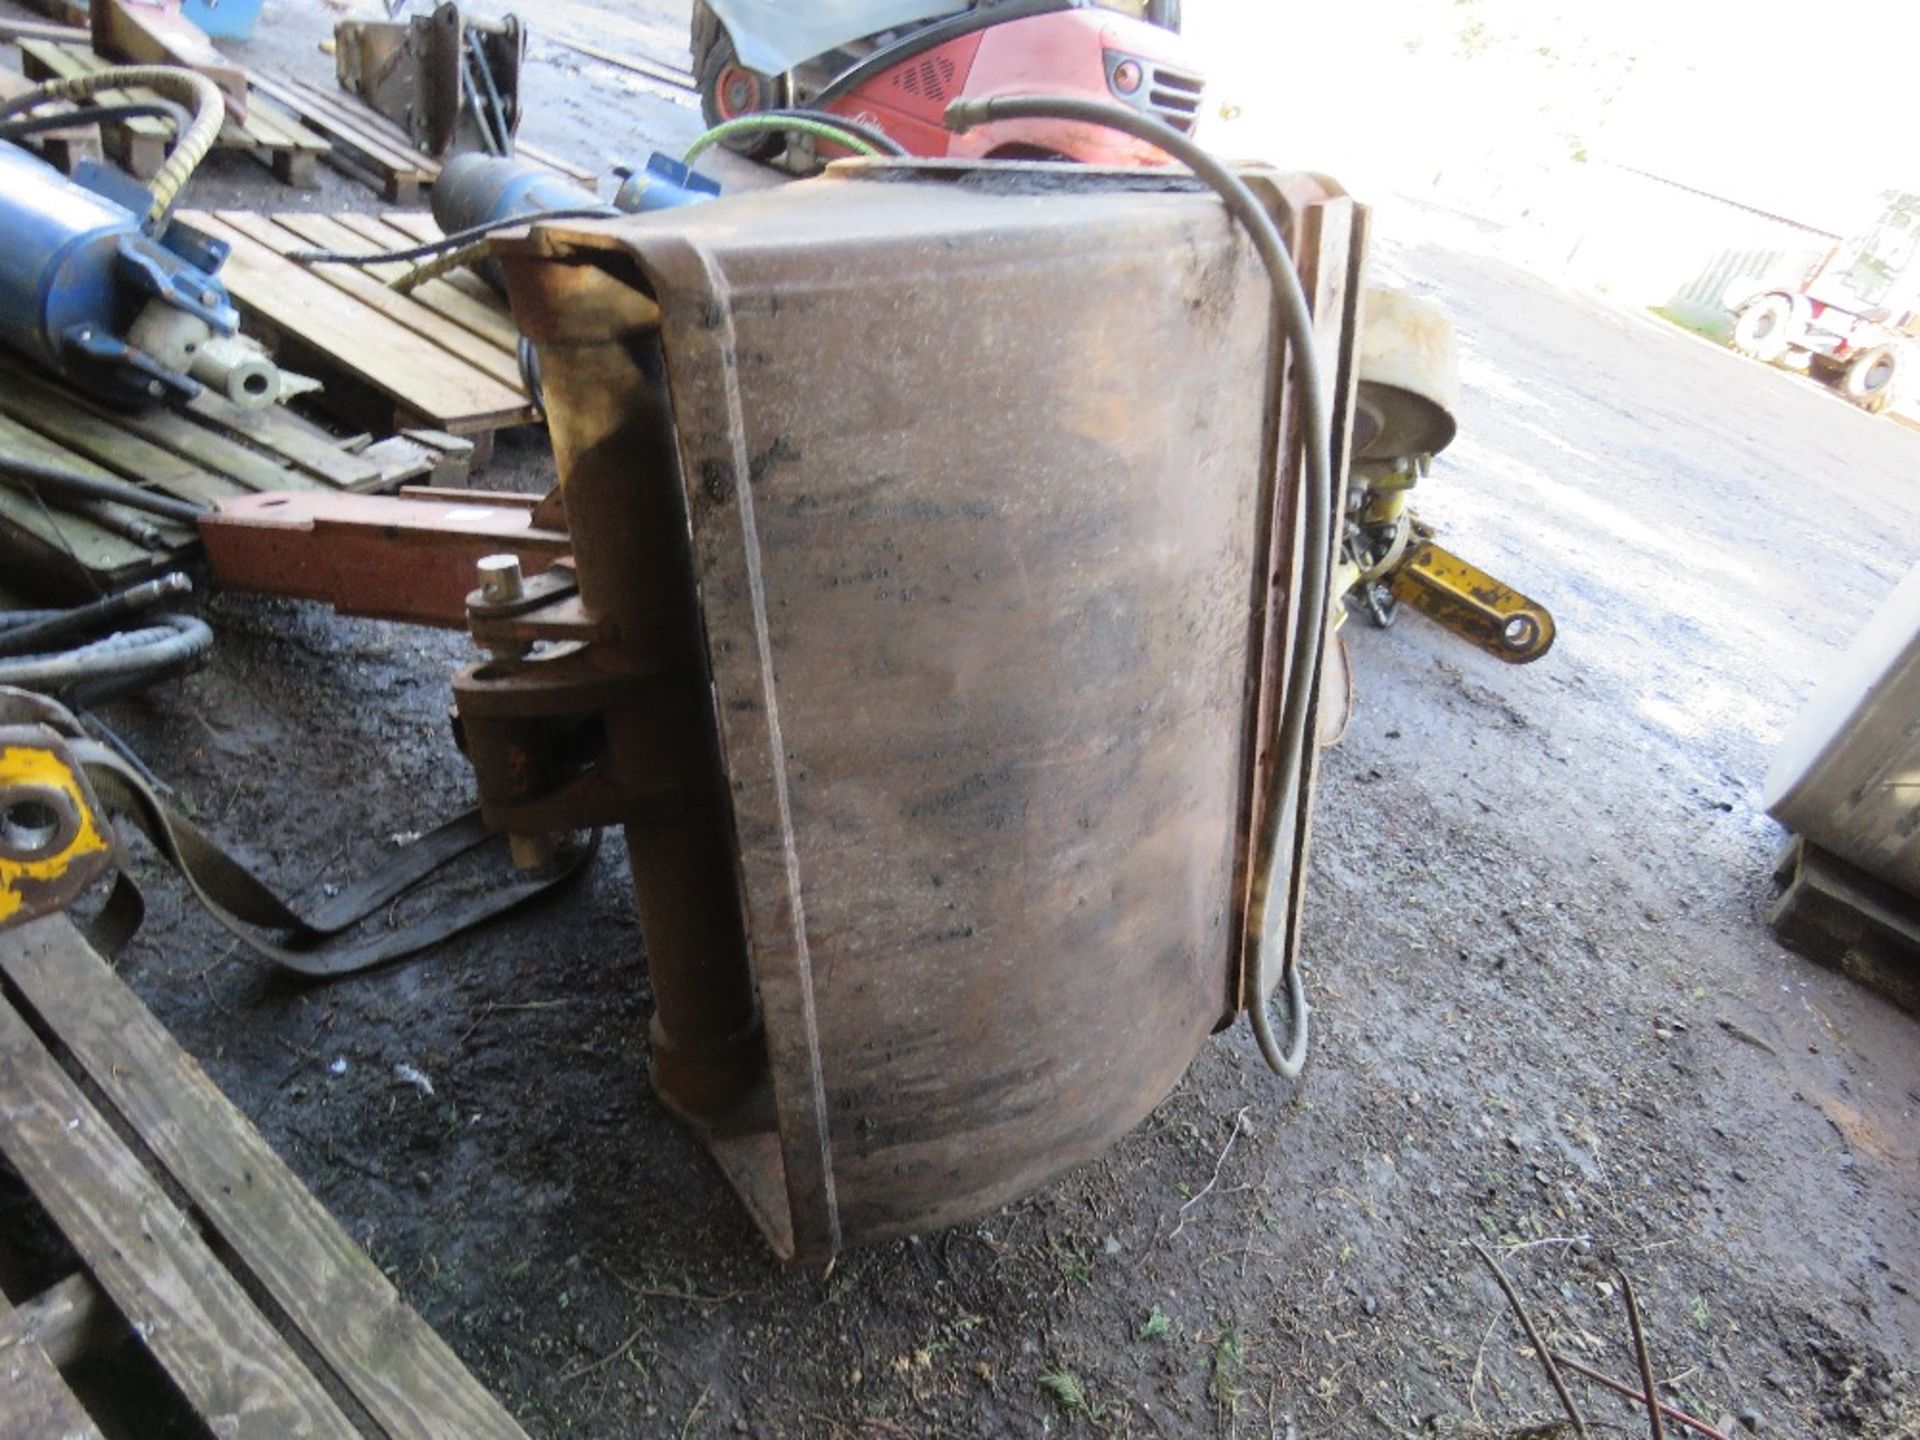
{"x":26,"y":632}
{"x":872,"y":134}
{"x":1295,"y":322}
{"x":455,"y":241}
{"x":762,"y":121}
{"x":156,"y":108}
{"x":190,"y":146}
{"x":94,"y":673}
{"x":34,"y":477}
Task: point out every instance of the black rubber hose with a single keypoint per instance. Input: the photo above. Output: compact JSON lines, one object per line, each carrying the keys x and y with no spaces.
{"x":872,"y":134}
{"x":36,"y":478}
{"x":1294,"y":319}
{"x":94,"y":673}
{"x":25,"y":632}
{"x":450,"y":242}
{"x":156,"y":108}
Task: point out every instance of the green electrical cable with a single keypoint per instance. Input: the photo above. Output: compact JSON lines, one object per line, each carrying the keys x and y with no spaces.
{"x":760,"y":124}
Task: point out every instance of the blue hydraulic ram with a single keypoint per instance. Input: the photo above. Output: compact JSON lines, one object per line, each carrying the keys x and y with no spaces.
{"x":130,"y":317}
{"x":475,"y":191}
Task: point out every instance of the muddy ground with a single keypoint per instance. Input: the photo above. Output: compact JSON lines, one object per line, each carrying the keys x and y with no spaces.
{"x":1548,"y":1016}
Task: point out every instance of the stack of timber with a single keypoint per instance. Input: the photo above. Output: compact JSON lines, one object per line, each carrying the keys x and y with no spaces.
{"x":268,"y":133}
{"x":199,"y":1262}
{"x":372,"y":148}
{"x":212,"y":450}
{"x":442,"y":356}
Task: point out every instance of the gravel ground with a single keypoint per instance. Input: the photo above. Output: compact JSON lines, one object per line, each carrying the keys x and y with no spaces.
{"x":1549,"y":1018}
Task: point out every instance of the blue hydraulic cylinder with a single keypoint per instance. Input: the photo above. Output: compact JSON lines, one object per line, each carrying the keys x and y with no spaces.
{"x":79,"y":278}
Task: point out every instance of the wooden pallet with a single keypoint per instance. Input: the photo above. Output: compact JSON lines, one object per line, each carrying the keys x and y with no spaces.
{"x":209,"y":451}
{"x":372,"y":148}
{"x":63,"y":148}
{"x":442,"y":356}
{"x":1835,"y":913}
{"x":266,"y":1319}
{"x":269,"y":134}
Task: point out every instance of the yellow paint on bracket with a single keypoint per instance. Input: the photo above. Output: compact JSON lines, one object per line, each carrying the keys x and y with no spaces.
{"x":25,"y":765}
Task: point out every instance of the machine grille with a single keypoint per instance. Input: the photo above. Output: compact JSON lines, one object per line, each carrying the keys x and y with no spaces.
{"x":1174,"y":95}
{"x":931,"y":79}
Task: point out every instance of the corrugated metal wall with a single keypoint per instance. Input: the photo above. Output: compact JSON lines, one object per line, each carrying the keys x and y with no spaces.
{"x":1653,"y":242}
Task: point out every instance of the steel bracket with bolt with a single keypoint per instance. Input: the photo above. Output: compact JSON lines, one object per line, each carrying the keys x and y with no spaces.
{"x":54,"y":840}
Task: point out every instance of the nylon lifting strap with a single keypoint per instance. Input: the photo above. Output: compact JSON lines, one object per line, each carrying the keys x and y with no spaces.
{"x":309,"y":945}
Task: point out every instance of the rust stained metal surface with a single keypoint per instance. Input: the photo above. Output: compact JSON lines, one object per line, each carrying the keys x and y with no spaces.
{"x":407,"y":557}
{"x":979,"y":553}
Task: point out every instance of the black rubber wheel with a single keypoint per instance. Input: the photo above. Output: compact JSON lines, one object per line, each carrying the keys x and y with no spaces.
{"x":729,"y":90}
{"x":1871,"y":378}
{"x":1765,"y":327}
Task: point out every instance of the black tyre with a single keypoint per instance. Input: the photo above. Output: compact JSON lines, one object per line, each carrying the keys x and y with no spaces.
{"x":1871,"y":379}
{"x":729,"y":90}
{"x":1764,"y":328}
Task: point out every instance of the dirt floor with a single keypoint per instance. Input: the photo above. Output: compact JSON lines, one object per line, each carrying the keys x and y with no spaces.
{"x":1548,"y":1017}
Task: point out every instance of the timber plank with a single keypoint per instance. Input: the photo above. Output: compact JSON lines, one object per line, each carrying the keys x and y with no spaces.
{"x":402,"y":229}
{"x":278,"y":433}
{"x":265,"y":127}
{"x":74,"y":533}
{"x":376,"y":137}
{"x":48,"y":59}
{"x":386,"y":355}
{"x":63,"y":537}
{"x":216,"y":1348}
{"x":380,"y":1349}
{"x":125,"y":455}
{"x":288,"y":231}
{"x":35,"y":1403}
{"x":459,"y":295}
{"x":64,"y":148}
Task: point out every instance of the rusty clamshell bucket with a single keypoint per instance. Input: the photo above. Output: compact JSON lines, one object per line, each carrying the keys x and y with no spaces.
{"x":933,"y":510}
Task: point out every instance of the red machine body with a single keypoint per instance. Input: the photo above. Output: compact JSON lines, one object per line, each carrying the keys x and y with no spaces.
{"x":1019,"y":47}
{"x":1066,"y":52}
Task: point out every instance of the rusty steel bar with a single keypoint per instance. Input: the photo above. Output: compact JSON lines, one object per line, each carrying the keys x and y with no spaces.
{"x":388,"y":557}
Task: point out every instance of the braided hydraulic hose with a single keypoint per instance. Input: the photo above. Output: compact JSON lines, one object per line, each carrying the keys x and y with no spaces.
{"x":435,"y":266}
{"x":190,"y":147}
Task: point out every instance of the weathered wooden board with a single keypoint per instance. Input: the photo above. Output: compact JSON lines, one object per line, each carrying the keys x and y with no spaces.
{"x":391,"y":1361}
{"x":191,"y":1314}
{"x":268,"y":132}
{"x":211,"y":451}
{"x":34,"y":1400}
{"x":63,"y":148}
{"x":369,"y":146}
{"x":442,"y":356}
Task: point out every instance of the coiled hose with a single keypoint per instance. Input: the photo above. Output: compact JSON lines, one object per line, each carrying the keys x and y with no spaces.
{"x":199,"y":94}
{"x":98,"y":671}
{"x":1294,"y":320}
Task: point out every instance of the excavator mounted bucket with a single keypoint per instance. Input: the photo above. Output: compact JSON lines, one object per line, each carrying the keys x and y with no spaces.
{"x":936,"y":575}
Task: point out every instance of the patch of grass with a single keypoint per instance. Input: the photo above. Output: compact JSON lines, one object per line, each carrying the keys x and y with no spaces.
{"x":1067,"y":1391}
{"x":1157,"y":1326}
{"x":1704,"y":328}
{"x":1229,"y":1369}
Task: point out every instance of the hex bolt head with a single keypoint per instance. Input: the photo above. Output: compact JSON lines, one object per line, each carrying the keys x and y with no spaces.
{"x":500,"y":579}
